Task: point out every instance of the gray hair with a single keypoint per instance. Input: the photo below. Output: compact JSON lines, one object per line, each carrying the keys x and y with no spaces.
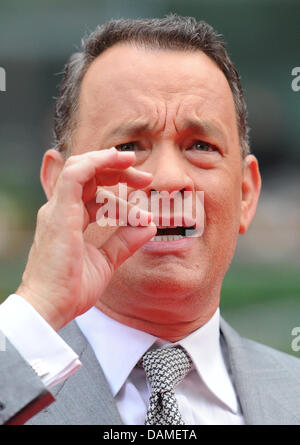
{"x":171,"y":32}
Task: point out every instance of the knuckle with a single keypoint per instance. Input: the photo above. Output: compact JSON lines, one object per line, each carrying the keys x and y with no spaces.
{"x":67,"y":172}
{"x":70,"y":161}
{"x":41,"y":214}
{"x":108,"y":260}
{"x":125,"y":246}
{"x":45,"y":214}
{"x":42,"y":220}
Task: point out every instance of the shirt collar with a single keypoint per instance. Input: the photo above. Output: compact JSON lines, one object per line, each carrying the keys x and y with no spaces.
{"x":118,"y":348}
{"x":204,"y":348}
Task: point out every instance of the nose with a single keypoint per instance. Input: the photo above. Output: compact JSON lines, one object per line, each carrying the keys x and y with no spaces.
{"x":171,"y":174}
{"x":169,"y":170}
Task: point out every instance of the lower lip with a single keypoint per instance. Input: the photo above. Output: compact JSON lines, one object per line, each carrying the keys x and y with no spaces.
{"x":161,"y":247}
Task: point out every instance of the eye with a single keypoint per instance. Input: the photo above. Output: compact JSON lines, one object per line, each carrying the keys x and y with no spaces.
{"x":138,"y":148}
{"x":203,"y":146}
{"x":128,"y":146}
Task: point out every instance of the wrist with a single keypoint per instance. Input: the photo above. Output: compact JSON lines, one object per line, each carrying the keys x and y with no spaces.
{"x":42,"y":305}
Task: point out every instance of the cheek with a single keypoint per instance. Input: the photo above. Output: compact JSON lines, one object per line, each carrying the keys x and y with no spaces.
{"x":222,"y":202}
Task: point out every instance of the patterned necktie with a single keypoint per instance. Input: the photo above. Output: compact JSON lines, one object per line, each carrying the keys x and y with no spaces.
{"x":165,"y":368}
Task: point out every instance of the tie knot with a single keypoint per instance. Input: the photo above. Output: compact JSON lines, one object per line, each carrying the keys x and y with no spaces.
{"x":165,"y":368}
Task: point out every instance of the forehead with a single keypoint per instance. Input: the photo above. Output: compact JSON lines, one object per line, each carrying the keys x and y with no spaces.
{"x":130,"y":82}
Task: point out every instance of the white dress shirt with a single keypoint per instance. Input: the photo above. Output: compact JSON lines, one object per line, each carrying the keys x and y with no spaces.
{"x":206,"y":395}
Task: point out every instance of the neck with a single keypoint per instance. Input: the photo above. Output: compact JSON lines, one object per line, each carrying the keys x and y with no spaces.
{"x":164,"y":324}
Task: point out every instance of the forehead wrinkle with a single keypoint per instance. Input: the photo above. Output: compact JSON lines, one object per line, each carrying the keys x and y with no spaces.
{"x":132,"y":127}
{"x":145,"y":122}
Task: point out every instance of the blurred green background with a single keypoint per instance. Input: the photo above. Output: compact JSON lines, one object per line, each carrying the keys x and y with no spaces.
{"x":261,"y":294}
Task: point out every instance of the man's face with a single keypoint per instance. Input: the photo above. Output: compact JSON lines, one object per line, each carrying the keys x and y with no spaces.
{"x":176,"y":110}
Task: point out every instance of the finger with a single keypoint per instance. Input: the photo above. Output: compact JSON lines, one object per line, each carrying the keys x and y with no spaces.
{"x":89,"y":190}
{"x":131,"y":176}
{"x":80,"y":169}
{"x":109,"y":158}
{"x":124,"y":242}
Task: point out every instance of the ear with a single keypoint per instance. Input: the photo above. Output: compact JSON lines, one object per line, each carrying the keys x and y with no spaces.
{"x":52,"y":165}
{"x":251,"y":186}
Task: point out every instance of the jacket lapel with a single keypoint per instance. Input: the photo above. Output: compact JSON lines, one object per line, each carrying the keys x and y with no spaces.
{"x":266,"y":381}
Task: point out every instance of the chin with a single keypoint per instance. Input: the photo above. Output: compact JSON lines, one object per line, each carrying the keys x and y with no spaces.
{"x":163,"y":280}
{"x":164,"y":285}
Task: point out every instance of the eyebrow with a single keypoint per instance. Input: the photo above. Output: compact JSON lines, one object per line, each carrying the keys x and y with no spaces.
{"x":201,"y":126}
{"x":205,"y":128}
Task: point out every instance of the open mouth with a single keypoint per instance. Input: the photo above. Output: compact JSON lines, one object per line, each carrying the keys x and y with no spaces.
{"x":174,"y":233}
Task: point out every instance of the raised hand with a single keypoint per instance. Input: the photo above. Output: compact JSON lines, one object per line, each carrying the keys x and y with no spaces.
{"x":65,"y":275}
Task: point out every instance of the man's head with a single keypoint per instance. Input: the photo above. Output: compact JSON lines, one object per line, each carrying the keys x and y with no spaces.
{"x":173,"y":32}
{"x":182,"y":111}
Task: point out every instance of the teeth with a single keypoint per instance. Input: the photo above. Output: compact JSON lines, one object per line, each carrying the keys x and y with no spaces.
{"x":191,"y":232}
{"x":167,"y":238}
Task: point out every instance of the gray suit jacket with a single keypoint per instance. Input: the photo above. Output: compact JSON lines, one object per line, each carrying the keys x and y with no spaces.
{"x":267,"y":383}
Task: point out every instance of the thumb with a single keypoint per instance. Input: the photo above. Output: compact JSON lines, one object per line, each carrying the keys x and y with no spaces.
{"x":124,"y":242}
